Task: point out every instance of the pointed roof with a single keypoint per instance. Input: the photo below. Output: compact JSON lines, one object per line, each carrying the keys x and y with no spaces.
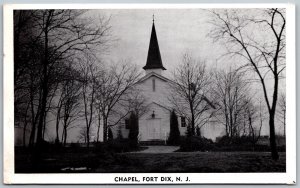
{"x":153,"y":74}
{"x":154,"y":58}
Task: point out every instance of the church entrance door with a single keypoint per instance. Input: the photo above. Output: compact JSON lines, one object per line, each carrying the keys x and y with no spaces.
{"x":154,"y":129}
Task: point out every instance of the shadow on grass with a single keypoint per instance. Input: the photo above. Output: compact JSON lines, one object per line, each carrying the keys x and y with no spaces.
{"x":84,"y":160}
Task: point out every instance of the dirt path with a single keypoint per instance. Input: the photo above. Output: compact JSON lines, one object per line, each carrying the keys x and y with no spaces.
{"x":158,"y":149}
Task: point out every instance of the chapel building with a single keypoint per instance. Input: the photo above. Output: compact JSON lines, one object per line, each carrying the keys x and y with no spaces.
{"x":154,"y":125}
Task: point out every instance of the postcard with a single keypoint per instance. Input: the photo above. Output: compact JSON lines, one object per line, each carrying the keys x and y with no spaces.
{"x":149,"y":94}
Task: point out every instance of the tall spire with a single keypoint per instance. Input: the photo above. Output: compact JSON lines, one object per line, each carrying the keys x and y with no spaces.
{"x":154,"y":59}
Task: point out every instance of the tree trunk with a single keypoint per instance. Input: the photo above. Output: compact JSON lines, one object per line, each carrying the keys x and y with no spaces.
{"x":25,"y":126}
{"x":24,"y":133}
{"x":42,"y":112}
{"x":231,"y":123}
{"x":98,"y":128}
{"x":193,"y":120}
{"x":284,"y":123}
{"x":34,"y":116}
{"x":88,"y":137}
{"x":104,"y":129}
{"x":272,"y":112}
{"x":65,"y":136}
{"x":272,"y":136}
{"x":33,"y":122}
{"x":57,"y":126}
{"x":32,"y":135}
{"x":44,"y":125}
{"x":44,"y":85}
{"x":62,"y":135}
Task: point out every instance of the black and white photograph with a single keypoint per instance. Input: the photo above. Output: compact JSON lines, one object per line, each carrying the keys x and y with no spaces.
{"x":144,"y":94}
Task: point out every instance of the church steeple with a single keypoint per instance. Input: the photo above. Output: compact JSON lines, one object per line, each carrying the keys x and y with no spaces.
{"x":154,"y":59}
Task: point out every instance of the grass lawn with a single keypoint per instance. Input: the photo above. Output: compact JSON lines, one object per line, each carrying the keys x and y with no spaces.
{"x":203,"y":162}
{"x":145,"y":162}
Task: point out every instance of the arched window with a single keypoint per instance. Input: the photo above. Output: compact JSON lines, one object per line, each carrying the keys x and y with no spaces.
{"x":153,"y":85}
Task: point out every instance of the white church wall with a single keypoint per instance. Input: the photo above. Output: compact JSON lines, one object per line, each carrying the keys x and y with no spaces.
{"x":162,"y":116}
{"x":160,"y":95}
{"x":157,"y":71}
{"x":159,"y":103}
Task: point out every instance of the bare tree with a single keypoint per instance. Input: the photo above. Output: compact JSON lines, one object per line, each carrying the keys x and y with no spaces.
{"x":263,"y":51}
{"x":255,"y":117}
{"x":35,"y":101}
{"x":99,"y":115}
{"x":25,"y":122}
{"x":135,"y":101}
{"x":53,"y":87}
{"x":89,"y":85}
{"x":70,"y":105}
{"x":82,"y":137}
{"x":230,"y":91}
{"x":132,"y":101}
{"x":27,"y":54}
{"x":57,"y":113}
{"x":190,"y":84}
{"x":44,"y":39}
{"x":113,"y":84}
{"x":64,"y":33}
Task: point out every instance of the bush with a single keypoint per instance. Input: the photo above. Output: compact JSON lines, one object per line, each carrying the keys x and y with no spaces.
{"x":119,"y":146}
{"x":174,"y":137}
{"x":116,"y":146}
{"x":196,"y":143}
{"x":189,"y":131}
{"x":243,"y":143}
{"x":198,"y":131}
{"x":237,"y":141}
{"x":110,"y":134}
{"x":119,"y":135}
{"x":74,"y":145}
{"x":133,"y":130}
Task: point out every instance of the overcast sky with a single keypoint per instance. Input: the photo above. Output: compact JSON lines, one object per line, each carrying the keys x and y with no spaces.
{"x":178,"y":31}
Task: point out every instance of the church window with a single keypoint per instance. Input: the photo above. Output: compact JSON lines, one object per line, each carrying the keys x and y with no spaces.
{"x":153,"y":85}
{"x":126,"y":123}
{"x":183,"y":123}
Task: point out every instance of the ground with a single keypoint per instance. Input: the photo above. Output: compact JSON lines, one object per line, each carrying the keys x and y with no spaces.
{"x":153,"y":159}
{"x":204,"y":162}
{"x":159,"y":149}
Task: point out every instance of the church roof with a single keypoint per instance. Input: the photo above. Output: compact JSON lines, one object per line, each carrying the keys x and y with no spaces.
{"x":153,"y":74}
{"x":154,"y":59}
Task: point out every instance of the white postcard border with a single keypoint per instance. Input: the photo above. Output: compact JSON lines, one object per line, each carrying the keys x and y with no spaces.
{"x":108,"y":178}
